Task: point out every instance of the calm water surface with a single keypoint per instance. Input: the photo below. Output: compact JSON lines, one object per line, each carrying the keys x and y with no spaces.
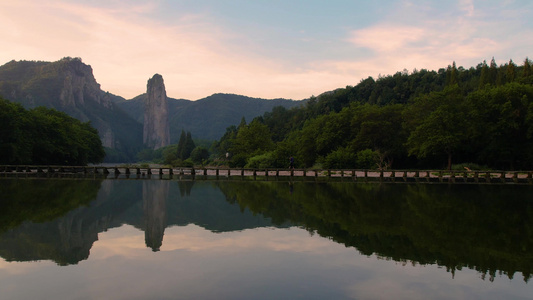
{"x":169,"y":239}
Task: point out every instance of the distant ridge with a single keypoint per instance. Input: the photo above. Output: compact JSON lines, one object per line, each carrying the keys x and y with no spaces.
{"x":209,"y":117}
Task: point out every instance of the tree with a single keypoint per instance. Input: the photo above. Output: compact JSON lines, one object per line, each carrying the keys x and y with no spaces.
{"x":15,"y":141}
{"x":181,"y":145}
{"x":46,"y":136}
{"x":493,"y":71}
{"x":251,"y":140}
{"x":185,"y":145}
{"x":527,"y":68}
{"x":379,"y":129}
{"x":484,"y":78}
{"x":511,"y":71}
{"x":445,"y":129}
{"x":451,"y":75}
{"x":223,"y":146}
{"x":199,"y":154}
{"x":189,"y":146}
{"x":505,"y":120}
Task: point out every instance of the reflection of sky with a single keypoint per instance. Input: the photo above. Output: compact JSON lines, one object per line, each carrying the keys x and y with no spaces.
{"x":263,"y":263}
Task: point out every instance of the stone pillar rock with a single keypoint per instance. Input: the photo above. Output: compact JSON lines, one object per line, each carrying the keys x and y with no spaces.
{"x":156,"y":128}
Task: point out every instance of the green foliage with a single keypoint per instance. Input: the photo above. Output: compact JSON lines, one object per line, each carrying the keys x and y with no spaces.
{"x":251,"y":140}
{"x":341,"y":158}
{"x":367,"y":159}
{"x":445,"y":129}
{"x":199,"y":155}
{"x":46,"y":136}
{"x":170,"y":154}
{"x":185,"y":146}
{"x":261,"y":161}
{"x":145,"y":155}
{"x":223,"y":146}
{"x":424,"y":119}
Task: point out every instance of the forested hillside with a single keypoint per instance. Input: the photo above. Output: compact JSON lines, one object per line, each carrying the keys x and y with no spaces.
{"x":420,"y":119}
{"x":45,"y":136}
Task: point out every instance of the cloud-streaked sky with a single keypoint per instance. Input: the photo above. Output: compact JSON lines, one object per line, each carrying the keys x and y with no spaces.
{"x":262,"y":48}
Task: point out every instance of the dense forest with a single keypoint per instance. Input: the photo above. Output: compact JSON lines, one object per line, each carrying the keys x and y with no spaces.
{"x":481,"y":117}
{"x":46,"y":136}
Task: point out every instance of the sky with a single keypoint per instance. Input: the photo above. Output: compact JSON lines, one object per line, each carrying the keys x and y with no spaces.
{"x":289,"y":49}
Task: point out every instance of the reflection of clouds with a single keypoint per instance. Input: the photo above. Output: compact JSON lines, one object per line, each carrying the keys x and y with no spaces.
{"x":128,"y":241}
{"x":124,"y":241}
{"x":195,"y":238}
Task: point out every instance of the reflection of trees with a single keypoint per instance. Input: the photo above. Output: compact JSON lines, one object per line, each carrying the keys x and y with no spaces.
{"x":42,"y":200}
{"x":28,"y":207}
{"x":486,"y":228}
{"x":185,"y":187}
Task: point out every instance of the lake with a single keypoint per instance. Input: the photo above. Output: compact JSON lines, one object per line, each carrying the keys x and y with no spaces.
{"x":174,"y":239}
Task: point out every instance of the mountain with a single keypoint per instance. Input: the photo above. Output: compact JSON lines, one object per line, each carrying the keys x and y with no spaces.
{"x":209,"y":117}
{"x":68,"y":85}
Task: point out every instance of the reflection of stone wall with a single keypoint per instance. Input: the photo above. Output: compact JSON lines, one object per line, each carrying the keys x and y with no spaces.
{"x":154,"y":206}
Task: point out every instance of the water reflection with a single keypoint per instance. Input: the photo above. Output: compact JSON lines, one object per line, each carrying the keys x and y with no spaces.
{"x":485,"y":228}
{"x":155,"y":212}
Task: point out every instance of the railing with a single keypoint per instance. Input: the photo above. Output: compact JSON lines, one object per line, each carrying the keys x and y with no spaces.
{"x":357,"y":175}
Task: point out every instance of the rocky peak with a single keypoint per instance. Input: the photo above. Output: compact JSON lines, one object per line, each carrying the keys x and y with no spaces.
{"x":156,"y":128}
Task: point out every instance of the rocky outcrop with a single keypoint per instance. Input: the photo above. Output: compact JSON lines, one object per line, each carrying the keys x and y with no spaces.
{"x":79,"y":91}
{"x":80,"y":85}
{"x":156,"y":128}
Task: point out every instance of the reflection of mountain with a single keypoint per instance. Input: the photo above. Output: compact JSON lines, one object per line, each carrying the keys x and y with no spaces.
{"x":66,"y":237}
{"x":154,"y":207}
{"x":483,"y":227}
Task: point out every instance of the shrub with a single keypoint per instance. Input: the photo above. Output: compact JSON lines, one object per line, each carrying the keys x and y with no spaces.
{"x":367,"y":159}
{"x":263,"y":161}
{"x":342,"y":158}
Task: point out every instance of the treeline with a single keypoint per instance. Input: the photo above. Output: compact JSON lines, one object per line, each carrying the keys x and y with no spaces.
{"x":44,"y":136}
{"x":482,"y":116}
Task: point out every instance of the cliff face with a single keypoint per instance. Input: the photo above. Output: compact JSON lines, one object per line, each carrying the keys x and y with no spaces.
{"x":156,"y":129}
{"x":79,"y":91}
{"x":80,"y":85}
